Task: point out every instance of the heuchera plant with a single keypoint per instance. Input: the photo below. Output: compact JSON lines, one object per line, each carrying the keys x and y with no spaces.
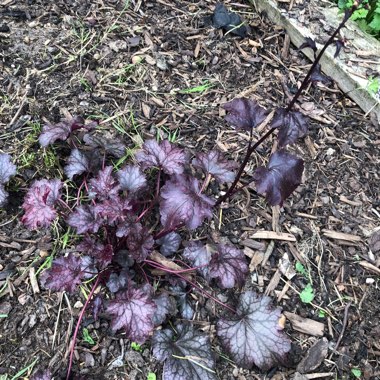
{"x":124,"y":217}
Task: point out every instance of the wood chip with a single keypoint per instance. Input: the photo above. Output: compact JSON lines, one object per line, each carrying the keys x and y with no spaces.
{"x":273,"y":282}
{"x":33,"y":280}
{"x":271,"y":235}
{"x":341,"y":236}
{"x":160,"y":259}
{"x":257,"y":245}
{"x":370,"y":267}
{"x":305,"y":325}
{"x":350,"y":202}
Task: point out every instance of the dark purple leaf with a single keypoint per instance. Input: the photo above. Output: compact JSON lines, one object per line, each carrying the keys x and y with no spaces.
{"x":213,"y":163}
{"x":292,"y":126}
{"x":164,"y":156}
{"x":132,"y":310}
{"x":199,"y":255}
{"x":183,"y":202}
{"x":111,"y":146}
{"x":189,"y":356}
{"x":229,"y":266}
{"x":42,"y":375}
{"x":185,"y":306}
{"x":309,"y":43}
{"x":169,"y":243}
{"x":97,"y":306}
{"x":38,"y":203}
{"x":228,"y":21}
{"x":124,"y":228}
{"x":60,"y":131}
{"x":101,"y":253}
{"x":244,"y":113}
{"x":131,"y":179}
{"x":66,"y":273}
{"x":114,"y":209}
{"x":104,"y":185}
{"x":166,"y":306}
{"x":253,"y":336}
{"x":280,"y":179}
{"x":140,"y":243}
{"x":339,"y":44}
{"x":117,"y":282}
{"x":77,"y":164}
{"x":7,"y":168}
{"x":85,"y":219}
{"x":317,"y":76}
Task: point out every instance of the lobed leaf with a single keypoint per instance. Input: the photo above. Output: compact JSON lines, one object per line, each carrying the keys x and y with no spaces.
{"x":229,"y":266}
{"x":253,"y":336}
{"x":189,"y":356}
{"x":164,"y":156}
{"x":67,"y":273}
{"x":317,"y":76}
{"x":244,"y":113}
{"x":182,"y":202}
{"x":85,"y":219}
{"x":77,"y":164}
{"x":199,"y":255}
{"x":140,"y":243}
{"x":132,"y":310}
{"x":292,"y":126}
{"x":7,"y":168}
{"x":102,"y":253}
{"x":280,"y":178}
{"x":117,"y":282}
{"x":309,"y":43}
{"x":213,"y":163}
{"x":104,"y":185}
{"x":38,"y":203}
{"x":131,"y":179}
{"x":114,"y":209}
{"x":166,"y":306}
{"x":169,"y":243}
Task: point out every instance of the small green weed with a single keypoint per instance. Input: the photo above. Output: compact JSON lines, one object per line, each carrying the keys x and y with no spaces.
{"x":87,"y":337}
{"x":151,"y":376}
{"x":373,"y":85}
{"x":307,"y":294}
{"x":356,"y":372}
{"x":367,"y":16}
{"x":206,"y":85}
{"x":136,"y":347}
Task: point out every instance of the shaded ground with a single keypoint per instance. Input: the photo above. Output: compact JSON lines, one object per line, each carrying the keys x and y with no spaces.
{"x":133,"y":68}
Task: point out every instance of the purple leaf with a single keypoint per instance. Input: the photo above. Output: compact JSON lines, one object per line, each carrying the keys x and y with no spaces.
{"x":117,"y":282}
{"x":104,"y":186}
{"x":169,"y":243}
{"x":42,"y":375}
{"x":317,"y":76}
{"x":280,"y":179}
{"x":140,"y":243}
{"x":97,"y":306}
{"x":114,"y":209}
{"x":292,"y":126}
{"x":7,"y":168}
{"x":67,"y":273}
{"x":125,"y":227}
{"x":38,"y":203}
{"x":186,"y":308}
{"x":244,"y":113}
{"x":199,"y":255}
{"x":253,"y":336}
{"x":189,"y":356}
{"x":164,"y":156}
{"x":309,"y":43}
{"x":111,"y":146}
{"x":101,"y":253}
{"x":85,"y":219}
{"x":183,"y":202}
{"x":213,"y":163}
{"x":133,"y":311}
{"x":77,"y":164}
{"x":131,"y":179}
{"x":229,"y":266}
{"x":60,"y":131}
{"x":165,"y":306}
{"x":339,"y":44}
{"x":3,"y":195}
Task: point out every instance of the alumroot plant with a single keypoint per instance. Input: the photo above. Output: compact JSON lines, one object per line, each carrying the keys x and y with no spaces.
{"x":123,"y":217}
